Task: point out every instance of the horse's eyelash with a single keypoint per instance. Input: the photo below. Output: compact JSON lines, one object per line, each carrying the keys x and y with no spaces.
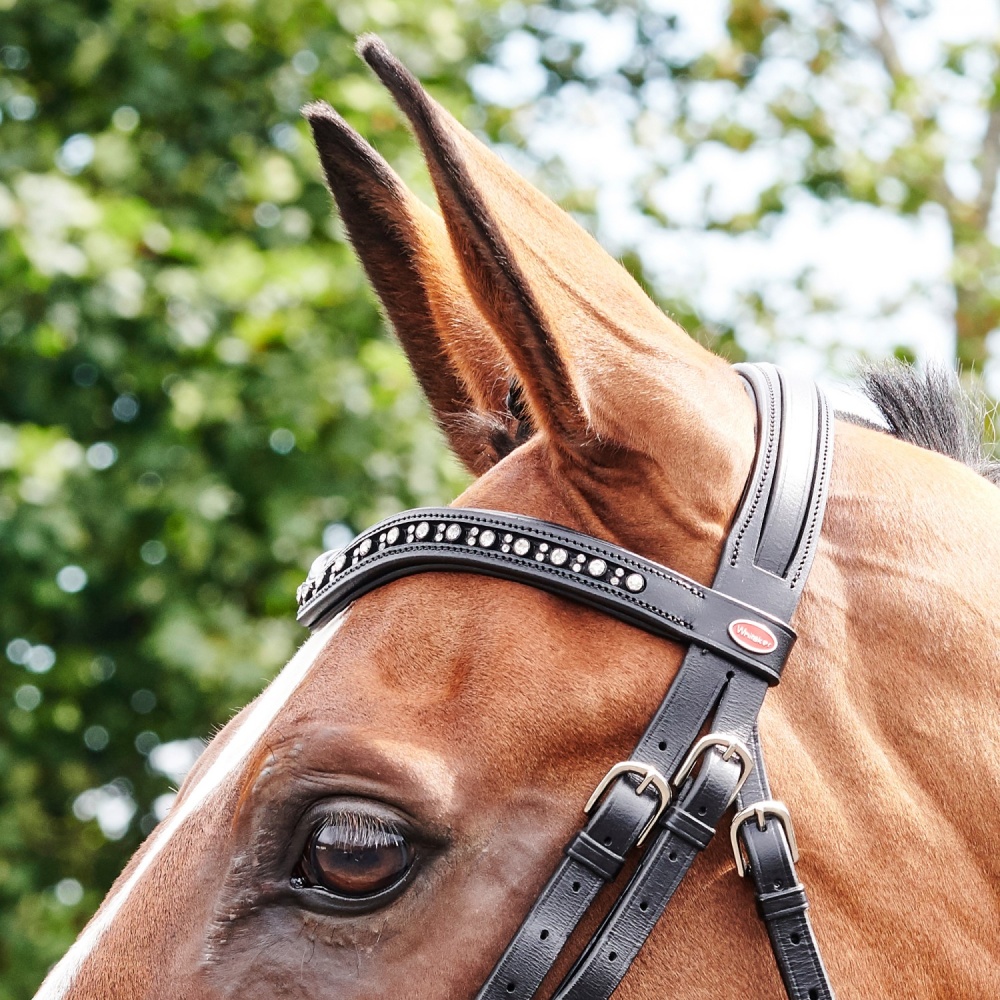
{"x":358,"y":830}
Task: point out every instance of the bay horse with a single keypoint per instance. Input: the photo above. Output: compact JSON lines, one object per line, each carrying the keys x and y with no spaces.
{"x":446,"y":729}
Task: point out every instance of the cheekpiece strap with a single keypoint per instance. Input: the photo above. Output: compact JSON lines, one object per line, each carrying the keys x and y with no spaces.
{"x":769,"y":552}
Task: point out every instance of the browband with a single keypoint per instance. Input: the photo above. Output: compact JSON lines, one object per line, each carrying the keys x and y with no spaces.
{"x":678,"y":783}
{"x":553,"y":558}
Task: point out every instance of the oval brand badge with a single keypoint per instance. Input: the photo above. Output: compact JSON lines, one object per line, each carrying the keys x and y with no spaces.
{"x":752,"y":636}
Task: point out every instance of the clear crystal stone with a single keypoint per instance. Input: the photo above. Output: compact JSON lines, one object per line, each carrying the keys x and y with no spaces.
{"x":318,"y":565}
{"x":487,"y":538}
{"x":522,"y":546}
{"x":453,"y":532}
{"x":558,"y":557}
{"x":392,"y":536}
{"x":597,"y":567}
{"x":635,"y":582}
{"x":423,"y":529}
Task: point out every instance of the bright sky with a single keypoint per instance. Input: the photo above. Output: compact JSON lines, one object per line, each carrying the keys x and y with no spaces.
{"x":863,"y":258}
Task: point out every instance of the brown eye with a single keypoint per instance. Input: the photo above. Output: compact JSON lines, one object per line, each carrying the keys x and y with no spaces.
{"x":355,"y":856}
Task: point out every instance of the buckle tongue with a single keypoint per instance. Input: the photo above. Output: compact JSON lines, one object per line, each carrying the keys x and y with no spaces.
{"x":650,"y":778}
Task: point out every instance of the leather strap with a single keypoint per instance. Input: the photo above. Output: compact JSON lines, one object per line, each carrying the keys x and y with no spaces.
{"x":771,"y":546}
{"x":736,"y":652}
{"x":616,"y":825}
{"x":781,"y":898}
{"x":550,"y":557}
{"x":687,"y":830}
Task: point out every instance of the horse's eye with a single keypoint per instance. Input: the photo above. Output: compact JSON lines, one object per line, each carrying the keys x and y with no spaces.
{"x":355,"y":856}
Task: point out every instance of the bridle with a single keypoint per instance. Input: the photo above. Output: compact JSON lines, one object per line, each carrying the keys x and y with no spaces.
{"x":660,"y":797}
{"x":736,"y":652}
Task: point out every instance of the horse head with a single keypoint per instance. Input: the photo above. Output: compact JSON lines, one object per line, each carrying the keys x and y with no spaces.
{"x":378,"y":822}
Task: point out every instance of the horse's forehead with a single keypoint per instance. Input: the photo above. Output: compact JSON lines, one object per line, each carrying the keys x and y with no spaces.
{"x":424,"y":633}
{"x":455,"y":669}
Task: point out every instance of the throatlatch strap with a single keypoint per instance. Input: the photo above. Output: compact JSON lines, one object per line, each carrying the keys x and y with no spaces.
{"x":781,"y":898}
{"x":736,"y":651}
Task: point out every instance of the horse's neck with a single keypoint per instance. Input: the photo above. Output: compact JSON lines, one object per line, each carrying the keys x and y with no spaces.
{"x":884,"y":735}
{"x":900,"y":626}
{"x":883,"y":738}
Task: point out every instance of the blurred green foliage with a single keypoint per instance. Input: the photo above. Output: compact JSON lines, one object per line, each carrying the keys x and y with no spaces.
{"x":195,"y":384}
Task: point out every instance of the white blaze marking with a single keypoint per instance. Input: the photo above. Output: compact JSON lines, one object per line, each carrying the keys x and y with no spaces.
{"x":232,"y":755}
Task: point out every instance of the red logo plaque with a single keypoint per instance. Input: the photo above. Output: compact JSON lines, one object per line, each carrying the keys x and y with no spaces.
{"x":752,"y":636}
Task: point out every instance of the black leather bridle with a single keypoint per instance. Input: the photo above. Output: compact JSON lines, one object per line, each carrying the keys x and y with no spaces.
{"x":701,"y":752}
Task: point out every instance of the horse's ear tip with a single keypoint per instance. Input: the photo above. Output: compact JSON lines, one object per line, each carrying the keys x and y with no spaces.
{"x":372,"y":49}
{"x":318,"y":111}
{"x":329,"y":129}
{"x":393,"y":74}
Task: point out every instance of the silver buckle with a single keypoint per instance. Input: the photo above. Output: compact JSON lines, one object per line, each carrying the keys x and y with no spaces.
{"x":733,"y":745}
{"x":768,"y":807}
{"x":650,"y":777}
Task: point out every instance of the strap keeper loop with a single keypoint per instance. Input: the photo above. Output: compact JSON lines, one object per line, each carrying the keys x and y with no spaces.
{"x":689,"y":828}
{"x":783,"y":903}
{"x":599,"y":859}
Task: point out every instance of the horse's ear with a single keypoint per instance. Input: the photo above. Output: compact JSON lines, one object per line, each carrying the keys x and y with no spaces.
{"x":408,"y":257}
{"x":599,"y":363}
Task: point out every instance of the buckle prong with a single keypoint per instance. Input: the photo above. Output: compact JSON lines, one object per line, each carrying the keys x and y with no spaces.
{"x":650,"y":778}
{"x":734,"y":746}
{"x":761,"y":810}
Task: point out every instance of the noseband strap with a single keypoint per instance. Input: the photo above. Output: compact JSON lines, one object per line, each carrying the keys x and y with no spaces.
{"x":675,"y":788}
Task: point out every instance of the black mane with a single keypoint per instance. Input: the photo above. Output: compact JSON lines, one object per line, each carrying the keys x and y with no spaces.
{"x":930,"y":409}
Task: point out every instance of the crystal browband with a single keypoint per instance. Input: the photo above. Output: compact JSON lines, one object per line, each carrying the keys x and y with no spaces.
{"x":552,"y":557}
